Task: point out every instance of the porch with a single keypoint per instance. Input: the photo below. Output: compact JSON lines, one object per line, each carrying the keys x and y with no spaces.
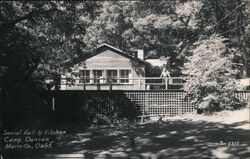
{"x":142,"y":83}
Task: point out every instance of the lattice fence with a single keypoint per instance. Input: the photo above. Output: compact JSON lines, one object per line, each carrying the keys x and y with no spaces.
{"x":134,"y":103}
{"x":169,"y":103}
{"x":131,"y":103}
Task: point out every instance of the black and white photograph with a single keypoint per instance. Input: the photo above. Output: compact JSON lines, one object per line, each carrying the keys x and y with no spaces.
{"x":125,"y":79}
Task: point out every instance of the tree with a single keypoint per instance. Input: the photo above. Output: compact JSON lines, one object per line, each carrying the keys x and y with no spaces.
{"x":108,"y":26}
{"x":229,"y":19}
{"x":40,"y":36}
{"x":161,"y":28}
{"x":36,"y":40}
{"x":211,"y":73}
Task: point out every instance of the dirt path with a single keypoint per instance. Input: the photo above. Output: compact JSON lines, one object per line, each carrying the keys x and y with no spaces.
{"x":225,"y":135}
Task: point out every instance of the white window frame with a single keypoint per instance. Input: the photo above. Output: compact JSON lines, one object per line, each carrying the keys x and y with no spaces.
{"x":97,"y":79}
{"x":84,"y":77}
{"x":126,"y":78}
{"x":105,"y":80}
{"x":114,"y":79}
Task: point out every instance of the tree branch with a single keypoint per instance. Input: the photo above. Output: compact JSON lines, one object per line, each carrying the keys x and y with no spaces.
{"x":28,"y":16}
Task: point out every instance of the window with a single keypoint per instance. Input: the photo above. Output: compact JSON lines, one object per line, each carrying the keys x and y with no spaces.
{"x":112,"y":76}
{"x":97,"y":74}
{"x":84,"y":76}
{"x":124,"y":74}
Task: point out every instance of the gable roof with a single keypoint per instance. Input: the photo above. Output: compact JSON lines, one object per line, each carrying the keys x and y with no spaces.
{"x":99,"y":49}
{"x":105,"y":44}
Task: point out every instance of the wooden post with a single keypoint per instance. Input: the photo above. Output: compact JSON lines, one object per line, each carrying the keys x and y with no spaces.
{"x":146,"y":106}
{"x":110,"y":85}
{"x":57,"y":82}
{"x":98,"y":86}
{"x":83,"y":82}
{"x":140,"y":82}
{"x":179,"y":105}
{"x":66,"y":81}
{"x":84,"y":86}
{"x":53,"y":103}
{"x":248,"y":100}
{"x":166,"y":83}
{"x":118,"y":77}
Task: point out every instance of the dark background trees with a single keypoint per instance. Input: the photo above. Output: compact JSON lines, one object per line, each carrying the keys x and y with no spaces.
{"x":169,"y":28}
{"x":36,"y":40}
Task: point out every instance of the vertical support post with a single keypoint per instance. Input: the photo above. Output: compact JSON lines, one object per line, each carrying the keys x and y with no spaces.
{"x":91,"y":77}
{"x":104,"y":77}
{"x":110,"y":85}
{"x":84,"y":77}
{"x":98,"y":86}
{"x":179,"y":105}
{"x":146,"y":103}
{"x":66,"y":80}
{"x":166,"y":83}
{"x":53,"y":103}
{"x":84,"y":86}
{"x":57,"y":82}
{"x":248,"y":100}
{"x":140,"y":82}
{"x":111,"y":97}
{"x":118,"y":76}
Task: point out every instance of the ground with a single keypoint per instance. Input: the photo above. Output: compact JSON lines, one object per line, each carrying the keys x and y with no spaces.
{"x":222,"y":135}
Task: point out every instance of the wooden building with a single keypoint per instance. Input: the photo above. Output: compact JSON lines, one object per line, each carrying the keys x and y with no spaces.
{"x":106,"y":67}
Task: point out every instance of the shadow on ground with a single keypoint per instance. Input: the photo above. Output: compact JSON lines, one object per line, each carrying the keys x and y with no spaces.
{"x":171,"y":139}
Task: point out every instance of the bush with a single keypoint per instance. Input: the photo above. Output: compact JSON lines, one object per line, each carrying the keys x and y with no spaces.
{"x":211,"y":75}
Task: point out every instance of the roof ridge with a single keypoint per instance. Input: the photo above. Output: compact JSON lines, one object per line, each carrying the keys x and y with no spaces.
{"x":105,"y":44}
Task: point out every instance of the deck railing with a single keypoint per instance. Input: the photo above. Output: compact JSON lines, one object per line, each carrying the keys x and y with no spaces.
{"x":143,"y":83}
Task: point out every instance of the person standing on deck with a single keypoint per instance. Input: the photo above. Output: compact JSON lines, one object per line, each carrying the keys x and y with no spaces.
{"x":164,"y":75}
